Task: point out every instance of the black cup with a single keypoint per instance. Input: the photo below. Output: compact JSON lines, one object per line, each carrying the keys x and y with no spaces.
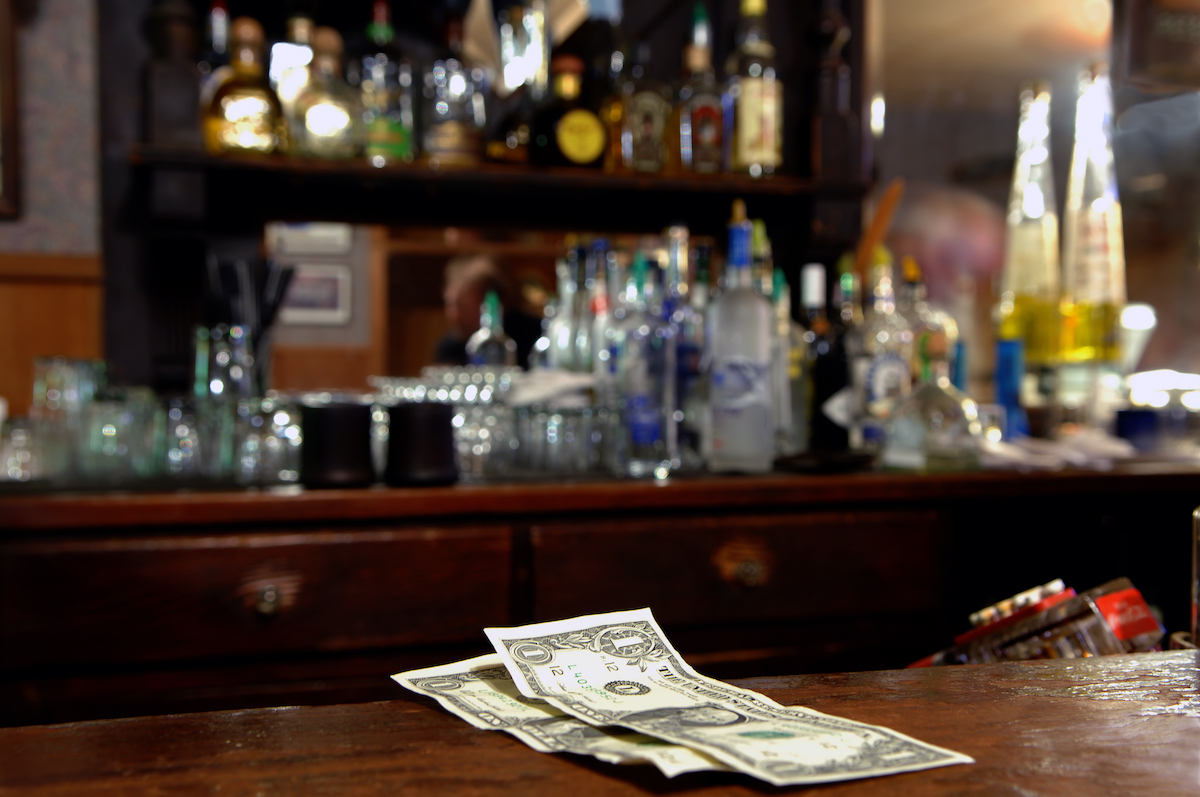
{"x":421,"y":445}
{"x":337,"y":445}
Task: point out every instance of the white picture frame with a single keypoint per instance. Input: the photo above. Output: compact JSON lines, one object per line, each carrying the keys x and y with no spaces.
{"x":319,"y":295}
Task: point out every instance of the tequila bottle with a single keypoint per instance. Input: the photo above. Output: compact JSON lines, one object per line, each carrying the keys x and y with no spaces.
{"x":454,"y":114}
{"x":489,"y":345}
{"x":244,"y":114}
{"x":644,"y":354}
{"x":694,"y":132}
{"x":647,"y":109}
{"x":1093,"y":245}
{"x":565,"y":131}
{"x":753,"y":103}
{"x":739,"y":378}
{"x":1029,"y":303}
{"x":290,"y":70}
{"x":882,"y":372}
{"x":923,"y":318}
{"x":327,"y":113}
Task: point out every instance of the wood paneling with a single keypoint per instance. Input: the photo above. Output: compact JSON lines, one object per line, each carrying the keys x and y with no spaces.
{"x":142,"y":599}
{"x":50,"y":305}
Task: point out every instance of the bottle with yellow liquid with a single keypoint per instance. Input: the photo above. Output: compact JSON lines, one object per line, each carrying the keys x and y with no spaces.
{"x":1093,"y":245}
{"x":1030,"y":286}
{"x":244,"y":114}
{"x":753,"y":104}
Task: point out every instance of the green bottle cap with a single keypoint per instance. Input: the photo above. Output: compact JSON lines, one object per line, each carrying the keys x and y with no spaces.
{"x":760,"y":242}
{"x":638,"y":270}
{"x":491,"y":305}
{"x":779,"y":283}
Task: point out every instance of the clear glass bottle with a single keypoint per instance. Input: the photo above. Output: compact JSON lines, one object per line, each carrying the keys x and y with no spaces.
{"x":753,"y":102}
{"x":384,"y":79}
{"x":290,"y":70}
{"x":937,"y":427}
{"x":1093,"y":243}
{"x":762,"y":270}
{"x":560,"y":332}
{"x":244,"y":114}
{"x":922,"y":317}
{"x":739,"y":379}
{"x":1029,"y":303}
{"x":489,"y":345}
{"x":687,"y":317}
{"x":694,"y":131}
{"x":882,"y":372}
{"x":328,"y":113}
{"x":645,"y":388}
{"x":787,"y":372}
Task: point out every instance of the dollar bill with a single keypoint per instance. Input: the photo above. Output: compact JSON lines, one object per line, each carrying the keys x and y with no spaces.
{"x":619,"y":669}
{"x":482,"y":692}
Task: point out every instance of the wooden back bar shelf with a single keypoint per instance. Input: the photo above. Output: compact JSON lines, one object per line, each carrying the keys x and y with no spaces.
{"x":125,"y":604}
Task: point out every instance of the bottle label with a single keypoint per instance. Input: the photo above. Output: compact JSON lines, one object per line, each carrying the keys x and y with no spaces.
{"x":758,"y":133}
{"x":885,"y":379}
{"x":706,"y":138}
{"x":739,"y":383}
{"x":1096,"y":271}
{"x":646,"y":124}
{"x":390,"y":139}
{"x":580,"y":136}
{"x":644,"y":424}
{"x":453,"y":143}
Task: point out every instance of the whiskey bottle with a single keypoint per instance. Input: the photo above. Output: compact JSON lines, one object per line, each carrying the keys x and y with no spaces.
{"x":566,"y":132}
{"x":753,"y":102}
{"x":694,"y":132}
{"x":244,"y":114}
{"x":328,"y":114}
{"x":454,"y":113}
{"x":291,"y":64}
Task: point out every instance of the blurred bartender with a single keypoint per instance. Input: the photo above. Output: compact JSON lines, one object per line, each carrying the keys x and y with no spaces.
{"x":468,"y":279}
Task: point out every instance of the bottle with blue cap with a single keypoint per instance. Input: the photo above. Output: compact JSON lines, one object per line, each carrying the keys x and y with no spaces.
{"x":739,"y":374}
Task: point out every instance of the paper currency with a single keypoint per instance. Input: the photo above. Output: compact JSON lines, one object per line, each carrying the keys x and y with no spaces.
{"x":482,"y":692}
{"x":619,"y":669}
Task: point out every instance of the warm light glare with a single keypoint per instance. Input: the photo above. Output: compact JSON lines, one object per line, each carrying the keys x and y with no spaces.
{"x":325,"y":119}
{"x":1191,"y":399}
{"x":1139,"y":316}
{"x":878,"y":111}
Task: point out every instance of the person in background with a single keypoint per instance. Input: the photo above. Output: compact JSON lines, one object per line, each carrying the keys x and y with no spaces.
{"x":468,"y":279}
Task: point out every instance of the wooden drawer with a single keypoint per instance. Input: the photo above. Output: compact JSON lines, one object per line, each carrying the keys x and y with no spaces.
{"x":188,"y":597}
{"x":710,"y":569}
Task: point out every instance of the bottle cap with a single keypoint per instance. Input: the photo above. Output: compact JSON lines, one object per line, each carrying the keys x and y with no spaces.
{"x":739,"y":208}
{"x":638,"y":271}
{"x":760,"y":241}
{"x":812,"y":285}
{"x":779,"y":283}
{"x":491,"y":305}
{"x":327,"y":41}
{"x":910,"y":269}
{"x":300,"y":29}
{"x":247,"y":30}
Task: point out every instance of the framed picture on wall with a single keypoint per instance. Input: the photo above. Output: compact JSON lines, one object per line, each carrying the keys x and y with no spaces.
{"x":319,"y":295}
{"x":10,"y":160}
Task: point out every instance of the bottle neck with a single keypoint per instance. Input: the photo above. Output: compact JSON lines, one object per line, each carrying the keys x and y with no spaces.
{"x":247,"y":60}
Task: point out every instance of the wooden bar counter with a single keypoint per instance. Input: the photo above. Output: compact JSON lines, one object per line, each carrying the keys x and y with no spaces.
{"x":128,"y":604}
{"x":1116,"y":726}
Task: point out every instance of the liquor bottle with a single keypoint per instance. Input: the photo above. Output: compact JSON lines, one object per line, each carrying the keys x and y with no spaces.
{"x":882,"y":372}
{"x":384,"y":79}
{"x":688,"y":322}
{"x":644,"y":355}
{"x":826,"y":372}
{"x":923,"y":318}
{"x":525,"y":80}
{"x":599,"y":42}
{"x":560,"y":332}
{"x":1029,"y":303}
{"x":291,"y":66}
{"x":489,"y":345}
{"x":694,"y":130}
{"x":328,"y":113}
{"x":937,"y":427}
{"x":788,"y":350}
{"x":739,"y":379}
{"x":244,"y":114}
{"x":593,"y":260}
{"x":836,"y":129}
{"x":762,"y":272}
{"x":454,"y":112}
{"x":647,"y":110}
{"x":1093,"y":244}
{"x":171,"y":78}
{"x":753,"y":101}
{"x":564,"y":131}
{"x":214,"y":61}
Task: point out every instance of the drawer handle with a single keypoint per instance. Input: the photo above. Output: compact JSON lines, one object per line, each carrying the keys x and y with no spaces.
{"x":269,"y":600}
{"x":745,"y":562}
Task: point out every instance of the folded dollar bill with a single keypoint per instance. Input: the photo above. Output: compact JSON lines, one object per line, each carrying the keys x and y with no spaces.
{"x":482,"y":692}
{"x":619,"y":669}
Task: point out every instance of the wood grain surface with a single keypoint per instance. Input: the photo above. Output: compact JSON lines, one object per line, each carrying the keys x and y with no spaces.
{"x":1115,"y":726}
{"x":542,"y":498}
